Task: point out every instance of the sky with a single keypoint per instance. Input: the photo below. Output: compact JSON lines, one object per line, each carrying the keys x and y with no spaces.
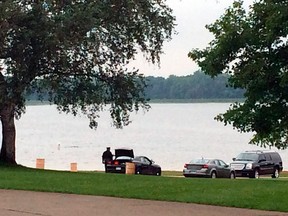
{"x":191,"y":18}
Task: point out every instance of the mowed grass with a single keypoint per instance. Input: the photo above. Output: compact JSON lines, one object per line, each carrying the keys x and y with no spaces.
{"x":266,"y":194}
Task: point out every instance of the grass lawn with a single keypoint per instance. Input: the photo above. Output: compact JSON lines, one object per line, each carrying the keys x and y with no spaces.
{"x":179,"y":173}
{"x":265,"y":193}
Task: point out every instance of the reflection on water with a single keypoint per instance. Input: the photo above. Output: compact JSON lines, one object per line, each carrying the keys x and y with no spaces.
{"x":170,"y":134}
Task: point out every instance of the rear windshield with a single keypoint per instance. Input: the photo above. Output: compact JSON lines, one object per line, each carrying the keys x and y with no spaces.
{"x":199,"y":161}
{"x":124,"y":158}
{"x":247,"y":157}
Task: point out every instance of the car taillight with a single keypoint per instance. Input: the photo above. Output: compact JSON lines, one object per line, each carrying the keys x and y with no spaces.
{"x":185,"y":165}
{"x":205,"y":166}
{"x":116,"y":162}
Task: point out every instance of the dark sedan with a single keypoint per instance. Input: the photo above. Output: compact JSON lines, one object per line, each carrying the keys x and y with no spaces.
{"x":211,"y":168}
{"x":146,"y":166}
{"x":141,"y":164}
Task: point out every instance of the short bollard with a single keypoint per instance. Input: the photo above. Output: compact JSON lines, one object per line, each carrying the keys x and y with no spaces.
{"x":40,"y":163}
{"x":73,"y":167}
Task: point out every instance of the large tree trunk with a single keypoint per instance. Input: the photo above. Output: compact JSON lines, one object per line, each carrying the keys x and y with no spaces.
{"x":8,"y":134}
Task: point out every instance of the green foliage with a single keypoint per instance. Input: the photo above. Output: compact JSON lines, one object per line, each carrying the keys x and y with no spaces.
{"x":196,"y":86}
{"x":252,"y":47}
{"x":265,"y":194}
{"x":80,"y":50}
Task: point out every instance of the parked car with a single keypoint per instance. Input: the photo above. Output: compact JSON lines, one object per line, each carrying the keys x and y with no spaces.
{"x":118,"y":164}
{"x":143,"y":165}
{"x":252,"y":164}
{"x":146,"y":166}
{"x":212,"y":168}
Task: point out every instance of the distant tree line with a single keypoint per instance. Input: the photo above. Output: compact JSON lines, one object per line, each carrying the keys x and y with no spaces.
{"x":195,"y":86}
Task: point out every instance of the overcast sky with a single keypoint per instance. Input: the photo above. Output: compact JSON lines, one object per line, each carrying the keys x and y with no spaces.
{"x":191,"y":18}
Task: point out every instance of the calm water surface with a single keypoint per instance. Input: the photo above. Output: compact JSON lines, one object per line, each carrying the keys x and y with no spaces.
{"x":170,"y":134}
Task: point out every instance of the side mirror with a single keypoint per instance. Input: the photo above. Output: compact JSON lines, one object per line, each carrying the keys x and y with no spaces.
{"x":233,"y":159}
{"x":262,"y":160}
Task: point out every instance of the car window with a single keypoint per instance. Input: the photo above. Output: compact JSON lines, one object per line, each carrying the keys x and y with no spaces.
{"x":275,"y":157}
{"x":137,"y":159}
{"x":262,"y":157}
{"x":268,"y":157}
{"x":247,"y":157}
{"x":222,"y":163}
{"x":199,"y":161}
{"x":216,"y":162}
{"x":145,"y":160}
{"x":123,"y":158}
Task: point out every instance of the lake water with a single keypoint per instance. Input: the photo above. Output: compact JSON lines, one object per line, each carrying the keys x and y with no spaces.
{"x":170,"y":134}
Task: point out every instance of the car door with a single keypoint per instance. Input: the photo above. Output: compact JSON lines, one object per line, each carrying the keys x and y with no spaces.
{"x":263,"y":165}
{"x":270,"y":164}
{"x":223,"y":169}
{"x":145,"y":166}
{"x":150,"y":167}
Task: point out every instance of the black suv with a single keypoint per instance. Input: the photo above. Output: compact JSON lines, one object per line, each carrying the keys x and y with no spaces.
{"x":252,"y":164}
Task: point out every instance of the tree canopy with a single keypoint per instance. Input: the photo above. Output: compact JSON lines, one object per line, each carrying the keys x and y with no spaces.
{"x":195,"y":86}
{"x":79,"y":50}
{"x":252,"y":46}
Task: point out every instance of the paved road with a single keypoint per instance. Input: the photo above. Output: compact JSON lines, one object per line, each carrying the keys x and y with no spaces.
{"x":28,"y":203}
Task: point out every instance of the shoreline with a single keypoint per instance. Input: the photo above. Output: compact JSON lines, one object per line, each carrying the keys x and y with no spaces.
{"x":161,"y":101}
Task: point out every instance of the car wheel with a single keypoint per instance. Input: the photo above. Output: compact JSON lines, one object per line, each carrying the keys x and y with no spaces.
{"x":232,"y":175}
{"x":256,"y":174}
{"x":276,"y":173}
{"x":213,"y":174}
{"x":138,"y":171}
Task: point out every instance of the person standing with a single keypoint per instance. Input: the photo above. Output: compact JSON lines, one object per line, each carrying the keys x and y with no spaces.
{"x":107,"y":157}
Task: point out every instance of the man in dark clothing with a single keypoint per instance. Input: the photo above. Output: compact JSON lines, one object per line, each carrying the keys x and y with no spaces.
{"x":107,"y":157}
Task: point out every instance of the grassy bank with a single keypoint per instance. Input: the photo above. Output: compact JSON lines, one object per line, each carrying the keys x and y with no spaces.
{"x":266,"y":194}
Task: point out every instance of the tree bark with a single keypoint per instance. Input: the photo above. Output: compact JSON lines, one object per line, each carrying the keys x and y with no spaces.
{"x":7,"y":154}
